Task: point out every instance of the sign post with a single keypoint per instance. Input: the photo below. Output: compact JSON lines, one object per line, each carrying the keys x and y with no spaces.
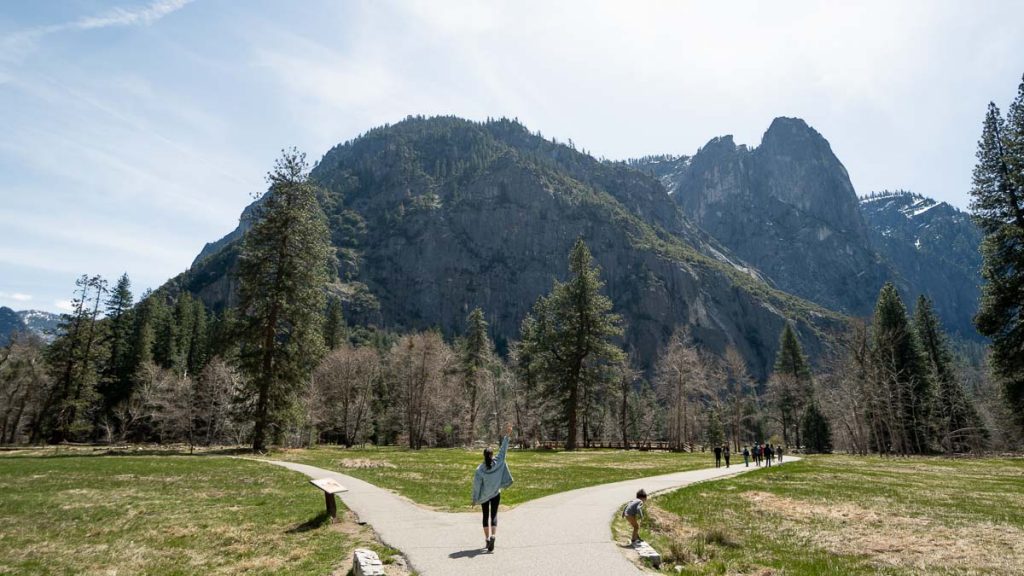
{"x":330,"y":488}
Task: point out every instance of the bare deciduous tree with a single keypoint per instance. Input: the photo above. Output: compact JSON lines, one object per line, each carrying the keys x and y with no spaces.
{"x":739,"y":397}
{"x":681,"y":381}
{"x":417,"y":366}
{"x":341,"y":393}
{"x":218,"y":384}
{"x":23,"y":384}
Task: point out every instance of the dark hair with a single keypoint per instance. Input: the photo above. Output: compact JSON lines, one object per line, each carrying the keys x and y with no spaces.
{"x":641,"y":494}
{"x":488,"y":457}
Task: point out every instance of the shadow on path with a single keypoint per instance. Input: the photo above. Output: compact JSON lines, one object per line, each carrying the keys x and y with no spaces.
{"x":471,"y":553}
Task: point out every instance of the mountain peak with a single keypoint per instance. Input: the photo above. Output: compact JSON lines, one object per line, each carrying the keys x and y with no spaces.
{"x":788,"y":133}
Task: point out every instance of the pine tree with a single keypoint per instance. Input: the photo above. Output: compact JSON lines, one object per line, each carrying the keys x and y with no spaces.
{"x":222,"y":334}
{"x":283,"y":268}
{"x":165,"y":333}
{"x":199,"y":342}
{"x":954,"y":416}
{"x":475,"y":363}
{"x":119,"y":369}
{"x":143,"y":332}
{"x":817,"y":431}
{"x":184,"y":318}
{"x":572,"y":331}
{"x":791,"y":384}
{"x":998,"y":209}
{"x":903,"y":380}
{"x":74,"y":360}
{"x":715,"y":433}
{"x":334,"y":325}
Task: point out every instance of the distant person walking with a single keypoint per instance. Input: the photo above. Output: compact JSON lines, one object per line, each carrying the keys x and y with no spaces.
{"x":746,"y":457}
{"x":726,"y":454}
{"x":768,"y":454}
{"x":633,"y":511}
{"x":757,"y":454}
{"x":490,"y":478}
{"x":778,"y":451}
{"x":718,"y":456}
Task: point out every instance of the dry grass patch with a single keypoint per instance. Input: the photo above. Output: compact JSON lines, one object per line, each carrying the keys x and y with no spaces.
{"x":364,"y":463}
{"x":845,"y":515}
{"x":895,"y":540}
{"x":166,"y":515}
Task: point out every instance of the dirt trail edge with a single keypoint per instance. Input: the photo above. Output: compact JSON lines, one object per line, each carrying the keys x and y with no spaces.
{"x":562,"y":534}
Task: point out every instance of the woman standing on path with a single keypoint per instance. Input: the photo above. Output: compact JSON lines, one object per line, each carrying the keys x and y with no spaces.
{"x":490,"y":478}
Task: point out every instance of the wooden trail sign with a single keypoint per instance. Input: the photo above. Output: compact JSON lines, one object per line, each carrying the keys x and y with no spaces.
{"x":330,"y":488}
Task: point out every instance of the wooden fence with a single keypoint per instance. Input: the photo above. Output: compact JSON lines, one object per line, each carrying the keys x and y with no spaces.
{"x":642,"y":446}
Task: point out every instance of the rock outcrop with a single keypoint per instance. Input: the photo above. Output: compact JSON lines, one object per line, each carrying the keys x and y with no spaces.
{"x":788,"y":208}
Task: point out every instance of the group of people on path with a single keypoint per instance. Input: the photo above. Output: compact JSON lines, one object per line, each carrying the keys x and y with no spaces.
{"x":492,"y":476}
{"x":760,"y":452}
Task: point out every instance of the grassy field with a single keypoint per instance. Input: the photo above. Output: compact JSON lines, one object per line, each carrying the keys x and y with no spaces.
{"x":442,"y":478}
{"x":166,"y":514}
{"x":847,"y":515}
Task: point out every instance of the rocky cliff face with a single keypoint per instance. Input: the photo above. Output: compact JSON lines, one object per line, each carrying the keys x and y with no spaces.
{"x":788,"y":208}
{"x":433,"y":217}
{"x":10,"y":324}
{"x":933,"y":248}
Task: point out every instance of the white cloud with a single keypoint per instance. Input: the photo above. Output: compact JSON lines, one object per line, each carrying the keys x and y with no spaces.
{"x":17,"y":46}
{"x":16,"y":296}
{"x":130,"y":17}
{"x":64,"y":305}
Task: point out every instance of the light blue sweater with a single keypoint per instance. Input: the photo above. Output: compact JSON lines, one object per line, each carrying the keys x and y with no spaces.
{"x":488,"y":482}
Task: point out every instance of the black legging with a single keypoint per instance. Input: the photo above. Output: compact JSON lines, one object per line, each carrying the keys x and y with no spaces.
{"x":493,"y":505}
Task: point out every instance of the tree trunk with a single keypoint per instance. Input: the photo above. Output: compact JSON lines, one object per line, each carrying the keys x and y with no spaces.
{"x":570,"y":442}
{"x":259,"y":433}
{"x":625,"y":407}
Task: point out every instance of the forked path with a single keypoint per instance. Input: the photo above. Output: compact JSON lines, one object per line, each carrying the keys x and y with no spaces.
{"x":562,"y":534}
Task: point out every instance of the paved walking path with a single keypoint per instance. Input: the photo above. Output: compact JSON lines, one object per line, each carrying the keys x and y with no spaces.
{"x":559,"y":535}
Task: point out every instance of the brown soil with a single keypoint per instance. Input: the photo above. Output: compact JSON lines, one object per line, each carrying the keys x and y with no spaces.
{"x":362,"y":463}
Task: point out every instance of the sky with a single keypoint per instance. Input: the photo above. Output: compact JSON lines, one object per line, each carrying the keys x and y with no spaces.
{"x":133,"y":132}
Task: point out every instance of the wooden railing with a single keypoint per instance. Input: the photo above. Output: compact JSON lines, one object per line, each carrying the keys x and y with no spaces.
{"x":643,"y":446}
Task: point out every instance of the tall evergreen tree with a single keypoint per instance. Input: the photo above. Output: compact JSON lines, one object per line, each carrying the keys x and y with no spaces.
{"x":184,"y":318}
{"x":954,"y":416}
{"x":222,"y":334}
{"x":998,"y":209}
{"x":791,"y":383}
{"x":714,"y":432}
{"x":573,"y":327}
{"x":475,"y":362}
{"x":283,"y":269}
{"x":165,"y":333}
{"x":334,"y":325}
{"x":903,"y":380}
{"x":74,"y":360}
{"x":119,"y":369}
{"x":817,"y":431}
{"x":199,"y":341}
{"x":143,"y":332}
